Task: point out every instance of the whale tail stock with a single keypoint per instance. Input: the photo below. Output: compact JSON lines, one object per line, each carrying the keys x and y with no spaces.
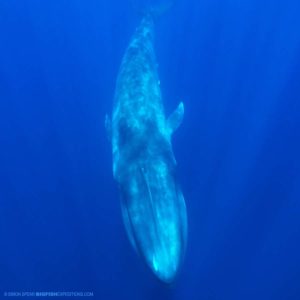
{"x":155,"y":8}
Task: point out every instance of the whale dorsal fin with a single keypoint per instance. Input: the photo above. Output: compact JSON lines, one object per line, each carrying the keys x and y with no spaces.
{"x":107,"y":124}
{"x":175,"y":118}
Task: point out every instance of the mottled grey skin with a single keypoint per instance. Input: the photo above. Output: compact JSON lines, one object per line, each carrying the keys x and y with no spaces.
{"x":152,"y":203}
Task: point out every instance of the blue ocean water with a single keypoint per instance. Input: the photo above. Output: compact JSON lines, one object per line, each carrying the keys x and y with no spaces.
{"x":236,"y":66}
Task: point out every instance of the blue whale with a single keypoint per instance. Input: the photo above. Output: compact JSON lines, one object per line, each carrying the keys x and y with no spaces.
{"x":152,"y":203}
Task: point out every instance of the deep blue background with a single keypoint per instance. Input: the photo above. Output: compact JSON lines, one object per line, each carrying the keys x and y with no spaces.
{"x":236,"y":66}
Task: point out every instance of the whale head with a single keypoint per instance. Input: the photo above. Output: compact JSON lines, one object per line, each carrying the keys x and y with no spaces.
{"x":155,"y":215}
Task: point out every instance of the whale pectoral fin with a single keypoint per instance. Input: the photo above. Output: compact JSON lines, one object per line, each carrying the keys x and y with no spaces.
{"x":107,"y":124}
{"x":176,"y":117}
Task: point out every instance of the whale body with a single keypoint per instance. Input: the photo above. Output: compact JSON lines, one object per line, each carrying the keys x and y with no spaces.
{"x":144,"y":165}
